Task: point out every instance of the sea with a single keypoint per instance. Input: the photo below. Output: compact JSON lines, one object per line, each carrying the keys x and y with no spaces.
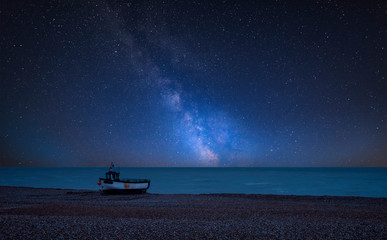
{"x":364,"y":182}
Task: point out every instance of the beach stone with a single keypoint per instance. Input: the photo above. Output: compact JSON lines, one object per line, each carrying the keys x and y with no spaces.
{"x":30,"y":213}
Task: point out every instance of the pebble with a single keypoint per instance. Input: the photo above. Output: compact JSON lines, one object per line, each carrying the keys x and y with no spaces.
{"x":28,"y":213}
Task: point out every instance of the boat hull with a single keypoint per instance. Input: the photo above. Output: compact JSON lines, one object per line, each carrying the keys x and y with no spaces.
{"x":109,"y":186}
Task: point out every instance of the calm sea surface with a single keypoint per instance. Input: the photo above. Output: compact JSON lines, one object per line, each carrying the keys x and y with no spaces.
{"x":366,"y":182}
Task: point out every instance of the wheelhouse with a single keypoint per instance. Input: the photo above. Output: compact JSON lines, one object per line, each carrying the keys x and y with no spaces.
{"x":112,"y":175}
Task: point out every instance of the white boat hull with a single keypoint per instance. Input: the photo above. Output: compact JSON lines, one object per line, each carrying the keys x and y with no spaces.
{"x":117,"y":186}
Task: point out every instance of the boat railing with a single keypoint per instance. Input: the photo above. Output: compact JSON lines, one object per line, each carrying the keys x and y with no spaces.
{"x":129,"y":180}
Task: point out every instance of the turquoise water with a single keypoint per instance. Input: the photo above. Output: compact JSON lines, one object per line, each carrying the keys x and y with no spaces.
{"x":366,"y":182}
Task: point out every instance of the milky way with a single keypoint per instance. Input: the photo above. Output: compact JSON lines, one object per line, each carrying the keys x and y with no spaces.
{"x":204,"y":135}
{"x":220,"y":83}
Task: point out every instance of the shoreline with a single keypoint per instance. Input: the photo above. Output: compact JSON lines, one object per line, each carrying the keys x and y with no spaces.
{"x":46,"y":213}
{"x":195,"y":194}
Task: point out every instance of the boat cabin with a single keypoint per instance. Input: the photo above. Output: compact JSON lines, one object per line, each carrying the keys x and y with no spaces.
{"x":112,"y":175}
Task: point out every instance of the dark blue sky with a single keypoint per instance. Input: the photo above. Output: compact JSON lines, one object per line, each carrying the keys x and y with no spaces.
{"x":193,"y":83}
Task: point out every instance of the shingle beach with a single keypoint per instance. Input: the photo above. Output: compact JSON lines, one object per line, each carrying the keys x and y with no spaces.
{"x":33,"y":213}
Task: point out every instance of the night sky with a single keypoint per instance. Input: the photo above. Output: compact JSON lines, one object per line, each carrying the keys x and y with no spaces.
{"x":193,"y":83}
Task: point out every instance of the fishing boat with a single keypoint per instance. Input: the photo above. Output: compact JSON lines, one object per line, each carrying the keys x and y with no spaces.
{"x":112,"y":183}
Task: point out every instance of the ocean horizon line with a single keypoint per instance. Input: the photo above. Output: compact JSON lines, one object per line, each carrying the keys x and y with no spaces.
{"x":188,"y":167}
